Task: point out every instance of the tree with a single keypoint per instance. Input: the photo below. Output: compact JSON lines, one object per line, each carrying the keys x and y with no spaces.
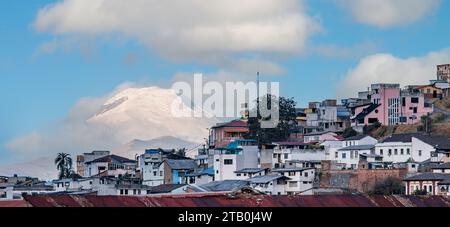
{"x":389,"y":186}
{"x":63,"y":164}
{"x":287,"y":116}
{"x":180,"y":152}
{"x":420,"y":192}
{"x":349,"y":132}
{"x":367,"y":129}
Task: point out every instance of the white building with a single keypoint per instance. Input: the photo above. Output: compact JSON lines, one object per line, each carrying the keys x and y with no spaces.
{"x":331,"y":148}
{"x":270,"y":184}
{"x":301,"y":180}
{"x":72,"y":185}
{"x":229,"y":160}
{"x":359,"y":140}
{"x":112,"y":164}
{"x":350,"y":155}
{"x":247,"y":173}
{"x":401,"y":147}
{"x":289,"y":151}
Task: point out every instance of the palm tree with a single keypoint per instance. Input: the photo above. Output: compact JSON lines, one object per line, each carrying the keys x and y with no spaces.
{"x":63,"y":163}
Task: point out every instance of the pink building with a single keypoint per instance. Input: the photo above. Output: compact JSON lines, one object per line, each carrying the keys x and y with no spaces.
{"x":391,"y":106}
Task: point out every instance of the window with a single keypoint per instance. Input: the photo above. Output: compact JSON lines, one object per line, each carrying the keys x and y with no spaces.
{"x":155,"y":173}
{"x":291,"y":174}
{"x":415,"y":110}
{"x":228,"y":162}
{"x":402,"y":152}
{"x":274,"y":155}
{"x":336,"y":154}
{"x":293,"y":184}
{"x":286,"y":156}
{"x":306,"y":174}
{"x":381,"y":151}
{"x":414,"y":100}
{"x":395,"y":152}
{"x":420,"y":153}
{"x":238,"y":174}
{"x":344,"y":155}
{"x":389,"y":152}
{"x":408,"y":152}
{"x":430,"y":188}
{"x":160,"y":173}
{"x":217,"y":160}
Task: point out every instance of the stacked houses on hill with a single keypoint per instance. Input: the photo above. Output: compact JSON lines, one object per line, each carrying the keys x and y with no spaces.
{"x":315,"y":159}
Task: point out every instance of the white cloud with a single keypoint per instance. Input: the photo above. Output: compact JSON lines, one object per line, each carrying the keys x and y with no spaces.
{"x":389,"y":13}
{"x":339,"y":52}
{"x":187,"y":29}
{"x":386,"y":68}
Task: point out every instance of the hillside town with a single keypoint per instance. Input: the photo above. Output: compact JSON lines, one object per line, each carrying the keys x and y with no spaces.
{"x":386,"y":140}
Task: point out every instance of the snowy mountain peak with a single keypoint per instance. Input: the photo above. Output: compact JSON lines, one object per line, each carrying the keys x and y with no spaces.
{"x":146,"y":113}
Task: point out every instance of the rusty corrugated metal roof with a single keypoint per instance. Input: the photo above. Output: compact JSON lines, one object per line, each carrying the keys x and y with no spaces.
{"x":223,"y":200}
{"x":13,"y":203}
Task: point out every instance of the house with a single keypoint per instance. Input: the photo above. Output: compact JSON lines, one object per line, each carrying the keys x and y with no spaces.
{"x":16,"y":187}
{"x":332,"y":117}
{"x":390,"y":105}
{"x":420,"y":147}
{"x":73,"y":185}
{"x":270,"y":184}
{"x":331,"y":148}
{"x":222,"y":134}
{"x":236,"y":156}
{"x":247,"y":173}
{"x":430,"y":91}
{"x":350,"y":155}
{"x":301,"y":180}
{"x":113,"y":164}
{"x":317,"y":164}
{"x":288,"y":151}
{"x":88,"y":157}
{"x":410,"y":165}
{"x":319,"y":137}
{"x":151,"y":165}
{"x":398,"y":148}
{"x":439,"y":146}
{"x":201,"y":176}
{"x":443,"y":168}
{"x":359,"y":140}
{"x":176,"y":170}
{"x":372,"y":161}
{"x":168,"y":189}
{"x":443,"y":72}
{"x":430,"y":183}
{"x":18,"y":191}
{"x":111,"y":185}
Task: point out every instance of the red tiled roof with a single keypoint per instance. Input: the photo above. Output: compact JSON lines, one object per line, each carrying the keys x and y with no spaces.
{"x":243,"y":200}
{"x":235,"y":123}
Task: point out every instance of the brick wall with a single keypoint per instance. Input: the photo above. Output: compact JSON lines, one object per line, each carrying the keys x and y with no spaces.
{"x":359,"y":180}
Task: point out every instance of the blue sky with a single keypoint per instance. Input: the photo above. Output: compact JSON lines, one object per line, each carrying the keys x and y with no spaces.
{"x":38,"y":88}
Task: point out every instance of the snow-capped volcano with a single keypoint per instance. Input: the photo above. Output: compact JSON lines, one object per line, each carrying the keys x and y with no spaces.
{"x":128,"y":122}
{"x":148,"y":113}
